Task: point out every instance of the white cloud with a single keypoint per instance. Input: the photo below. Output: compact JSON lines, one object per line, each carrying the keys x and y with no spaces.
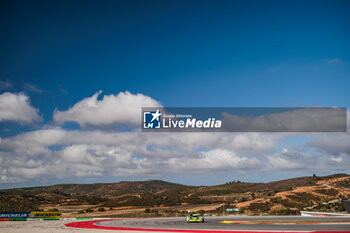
{"x":58,"y":154}
{"x":337,"y":159}
{"x":214,"y":160}
{"x":333,"y":143}
{"x":62,"y":154}
{"x":122,"y":108}
{"x":97,"y":153}
{"x":16,"y":107}
{"x":304,"y":160}
{"x":289,"y":160}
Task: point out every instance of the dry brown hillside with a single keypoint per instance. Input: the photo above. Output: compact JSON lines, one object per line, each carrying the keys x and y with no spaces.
{"x":164,"y":198}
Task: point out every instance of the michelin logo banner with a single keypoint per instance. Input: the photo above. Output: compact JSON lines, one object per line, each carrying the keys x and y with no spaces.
{"x":45,"y":214}
{"x":244,"y":119}
{"x":32,"y":214}
{"x":14,"y":214}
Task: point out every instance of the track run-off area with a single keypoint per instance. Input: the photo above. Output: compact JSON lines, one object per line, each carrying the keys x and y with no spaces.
{"x":244,"y":224}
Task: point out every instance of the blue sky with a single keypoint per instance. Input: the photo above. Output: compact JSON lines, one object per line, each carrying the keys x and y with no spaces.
{"x":180,"y":53}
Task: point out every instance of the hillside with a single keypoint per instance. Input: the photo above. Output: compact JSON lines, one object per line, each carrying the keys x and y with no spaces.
{"x":279,"y":197}
{"x":101,"y":189}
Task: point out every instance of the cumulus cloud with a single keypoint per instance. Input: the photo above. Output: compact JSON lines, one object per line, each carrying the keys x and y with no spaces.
{"x":16,"y":107}
{"x":290,"y":160}
{"x":75,"y":153}
{"x":122,"y":108}
{"x":60,"y":154}
{"x":333,"y":143}
{"x":214,"y":160}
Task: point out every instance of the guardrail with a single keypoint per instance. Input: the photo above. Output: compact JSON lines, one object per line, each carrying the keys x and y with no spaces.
{"x":311,"y":213}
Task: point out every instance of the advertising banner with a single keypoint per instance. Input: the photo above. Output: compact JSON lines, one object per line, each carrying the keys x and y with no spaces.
{"x":14,"y":214}
{"x":45,"y":214}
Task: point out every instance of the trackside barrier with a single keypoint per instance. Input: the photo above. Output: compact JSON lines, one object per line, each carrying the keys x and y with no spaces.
{"x":312,"y":213}
{"x":34,"y":219}
{"x":14,"y":214}
{"x":45,"y":214}
{"x":24,"y":216}
{"x":17,"y":219}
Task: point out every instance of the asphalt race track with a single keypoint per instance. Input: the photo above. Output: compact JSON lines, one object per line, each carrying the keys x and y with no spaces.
{"x":213,"y":224}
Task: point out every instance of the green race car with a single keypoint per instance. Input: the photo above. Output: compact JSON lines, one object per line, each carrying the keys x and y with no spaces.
{"x":195,"y":218}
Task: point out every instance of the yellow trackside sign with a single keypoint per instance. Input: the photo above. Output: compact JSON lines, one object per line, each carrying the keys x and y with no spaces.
{"x":45,"y":214}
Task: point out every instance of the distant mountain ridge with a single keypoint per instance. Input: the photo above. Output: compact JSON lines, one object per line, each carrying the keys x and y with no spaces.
{"x":103,"y":189}
{"x":153,"y":186}
{"x":321,"y":193}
